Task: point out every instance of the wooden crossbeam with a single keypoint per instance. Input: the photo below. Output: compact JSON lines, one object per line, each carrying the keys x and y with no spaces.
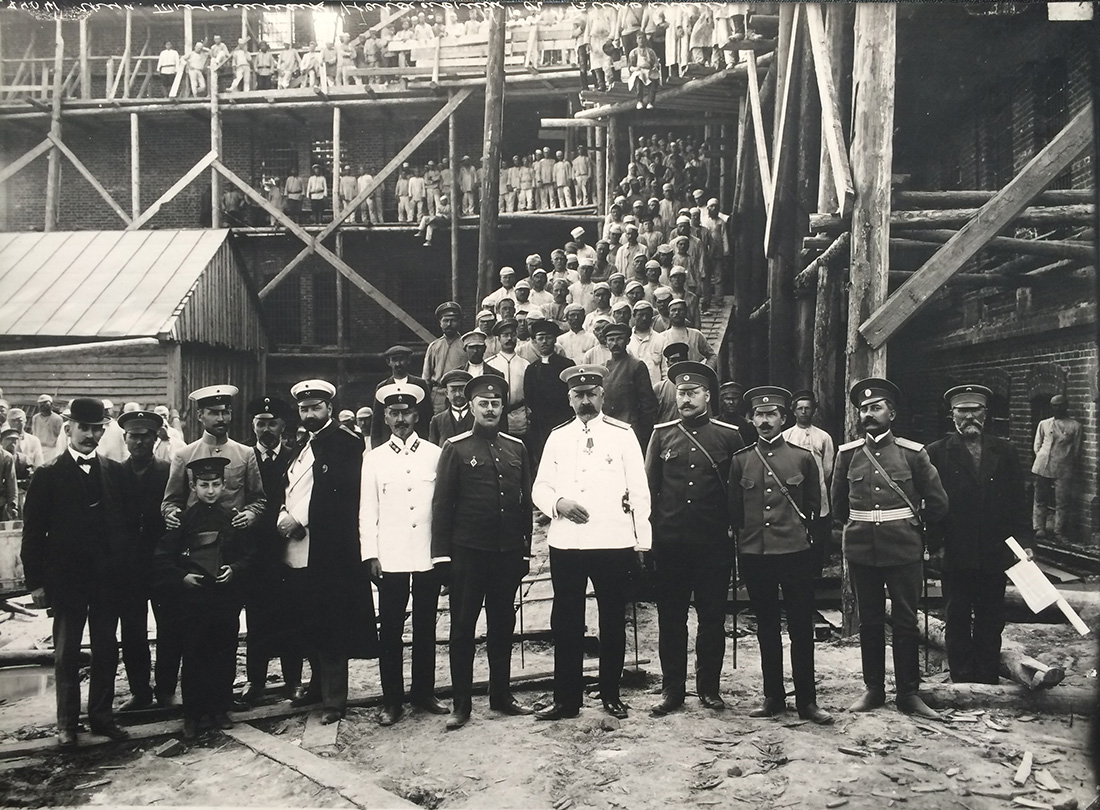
{"x":28,"y":157}
{"x":87,"y":175}
{"x":758,"y":128}
{"x":395,"y":162}
{"x":666,"y":94}
{"x":833,"y":130}
{"x":1075,"y":138}
{"x":781,"y":156}
{"x":315,"y":245}
{"x":204,"y":163}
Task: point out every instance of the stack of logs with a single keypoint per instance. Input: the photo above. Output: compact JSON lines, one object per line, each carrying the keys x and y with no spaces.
{"x":922,"y":221}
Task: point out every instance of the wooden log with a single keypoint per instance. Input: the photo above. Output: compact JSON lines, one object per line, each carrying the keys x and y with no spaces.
{"x":1068,"y":700}
{"x":490,"y":157}
{"x":204,"y":163}
{"x":1006,"y":206}
{"x":782,"y":160}
{"x":828,"y":328}
{"x":53,"y":171}
{"x":215,"y":148}
{"x":91,"y":178}
{"x":757,"y":107}
{"x":26,"y":658}
{"x":827,"y":67}
{"x":456,"y":201}
{"x":1086,"y":603}
{"x":85,"y":64}
{"x":1050,"y":215}
{"x":1054,"y":248}
{"x":903,"y":200}
{"x":126,"y":54}
{"x":135,"y":166}
{"x":26,"y":159}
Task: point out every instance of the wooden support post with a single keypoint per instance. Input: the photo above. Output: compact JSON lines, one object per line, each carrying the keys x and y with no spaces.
{"x":204,"y":163}
{"x":1009,"y":202}
{"x":763,"y":164}
{"x":570,"y":132}
{"x":135,"y":166}
{"x":599,"y":158}
{"x":787,"y":51}
{"x":28,"y":157}
{"x":53,"y":173}
{"x":337,"y":161}
{"x":244,"y":21}
{"x":85,"y":64}
{"x":1,"y":63}
{"x":611,"y":173}
{"x":456,"y":200}
{"x":127,"y":52}
{"x":341,"y":341}
{"x":188,"y":30}
{"x":828,"y":325}
{"x":215,"y":149}
{"x":87,"y":175}
{"x":490,"y":158}
{"x":827,"y":65}
{"x":725,"y":134}
{"x":805,"y":189}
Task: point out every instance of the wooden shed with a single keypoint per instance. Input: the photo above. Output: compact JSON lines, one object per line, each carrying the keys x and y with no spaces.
{"x":144,"y":316}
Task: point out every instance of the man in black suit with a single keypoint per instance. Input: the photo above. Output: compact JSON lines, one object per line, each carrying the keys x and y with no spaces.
{"x":456,"y":417}
{"x":144,"y":478}
{"x":75,"y":548}
{"x":330,"y":595}
{"x":546,"y":394}
{"x":399,"y":358}
{"x":266,"y":587}
{"x":986,"y":504}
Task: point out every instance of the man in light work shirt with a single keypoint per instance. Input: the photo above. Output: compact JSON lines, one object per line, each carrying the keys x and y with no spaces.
{"x":804,"y":433}
{"x":444,"y":353}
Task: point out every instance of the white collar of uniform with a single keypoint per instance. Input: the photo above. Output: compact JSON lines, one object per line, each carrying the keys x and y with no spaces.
{"x":773,"y":439}
{"x":880,"y":438}
{"x":78,"y":457}
{"x":410,"y":445}
{"x":274,"y":452}
{"x":209,"y":438}
{"x":594,"y":424}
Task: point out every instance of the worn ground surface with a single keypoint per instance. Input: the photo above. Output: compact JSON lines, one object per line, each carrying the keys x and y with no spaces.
{"x":692,"y":758}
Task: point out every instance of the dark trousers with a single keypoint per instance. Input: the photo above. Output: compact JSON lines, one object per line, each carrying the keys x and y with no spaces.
{"x":975,"y":602}
{"x":256,"y":658}
{"x":764,"y":575}
{"x":266,"y":608}
{"x":68,"y":628}
{"x":210,"y":631}
{"x":330,"y":670}
{"x":488,"y":578}
{"x":328,"y":665}
{"x":169,"y":648}
{"x":570,"y":570}
{"x":133,"y":620}
{"x":681,"y":569}
{"x":393,"y":598}
{"x":903,"y":582}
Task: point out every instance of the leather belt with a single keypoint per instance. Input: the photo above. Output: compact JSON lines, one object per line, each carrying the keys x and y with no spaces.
{"x":880,"y":515}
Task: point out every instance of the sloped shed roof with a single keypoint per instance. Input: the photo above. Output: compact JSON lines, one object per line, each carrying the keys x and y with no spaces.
{"x":80,"y":285}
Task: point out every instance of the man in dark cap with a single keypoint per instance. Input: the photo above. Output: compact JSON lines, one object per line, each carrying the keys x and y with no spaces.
{"x":592,"y":484}
{"x":879,"y":483}
{"x":668,"y":408}
{"x":544,"y":390}
{"x":399,"y":358}
{"x":687,"y":465}
{"x":984,"y":481}
{"x":731,"y":408}
{"x":265,"y":595}
{"x":1057,"y":447}
{"x":144,"y":478}
{"x":628,"y":393}
{"x":331,"y":599}
{"x":395,"y":536}
{"x":456,"y":417}
{"x":774,"y":494}
{"x":444,"y":353}
{"x":481,"y":527}
{"x":75,"y":554}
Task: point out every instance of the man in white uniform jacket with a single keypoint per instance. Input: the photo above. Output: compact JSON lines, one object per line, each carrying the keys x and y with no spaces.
{"x":592,"y":483}
{"x":395,"y":535}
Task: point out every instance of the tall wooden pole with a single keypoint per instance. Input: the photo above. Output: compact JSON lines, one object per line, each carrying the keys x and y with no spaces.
{"x":216,"y":148}
{"x":490,"y":157}
{"x":806,"y":187}
{"x":53,"y":172}
{"x":341,"y":341}
{"x":188,"y":31}
{"x":599,"y":158}
{"x":85,"y":66}
{"x":454,"y":193}
{"x":872,"y":163}
{"x":612,"y":172}
{"x":127,"y":53}
{"x":135,"y":166}
{"x":337,"y":161}
{"x":838,"y":33}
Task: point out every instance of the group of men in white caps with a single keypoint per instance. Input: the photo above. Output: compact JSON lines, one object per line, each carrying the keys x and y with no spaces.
{"x":301,"y":538}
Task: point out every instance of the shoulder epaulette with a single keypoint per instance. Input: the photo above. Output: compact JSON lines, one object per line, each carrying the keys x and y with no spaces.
{"x":908,"y":444}
{"x":720,"y":423}
{"x":617,"y":422}
{"x":460,"y":436}
{"x":673,"y":423}
{"x":850,"y":445}
{"x":563,"y":424}
{"x":510,"y":438}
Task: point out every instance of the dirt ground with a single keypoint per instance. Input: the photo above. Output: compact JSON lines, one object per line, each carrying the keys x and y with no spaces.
{"x":692,"y":758}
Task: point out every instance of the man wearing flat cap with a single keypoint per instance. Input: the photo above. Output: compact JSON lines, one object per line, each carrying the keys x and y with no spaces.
{"x":444,"y":353}
{"x":731,"y":408}
{"x":331,"y":600}
{"x":774,"y":495}
{"x":481,"y":527}
{"x":399,"y":359}
{"x":476,"y":343}
{"x":456,"y":417}
{"x":512,"y":367}
{"x":592,"y":485}
{"x":395,"y":539}
{"x":628,"y":393}
{"x":984,"y":481}
{"x":699,"y":349}
{"x":668,"y":407}
{"x":47,"y":425}
{"x":363,"y":418}
{"x":641,"y":340}
{"x":546,"y":394}
{"x":244,"y":491}
{"x":144,"y":478}
{"x":266,"y":588}
{"x":687,"y":466}
{"x":584,"y":251}
{"x":1057,"y":447}
{"x":506,"y":289}
{"x":879,"y":483}
{"x":577,"y":340}
{"x":75,"y":552}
